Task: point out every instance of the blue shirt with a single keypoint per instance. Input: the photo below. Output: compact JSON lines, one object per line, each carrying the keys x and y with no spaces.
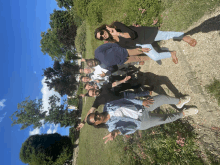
{"x":110,"y":55}
{"x":125,"y":125}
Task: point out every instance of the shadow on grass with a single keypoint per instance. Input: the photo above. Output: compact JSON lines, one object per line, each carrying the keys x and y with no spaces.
{"x":212,"y":24}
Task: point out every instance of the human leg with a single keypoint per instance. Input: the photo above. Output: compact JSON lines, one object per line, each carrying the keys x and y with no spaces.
{"x":136,"y":59}
{"x":132,"y":95}
{"x":166,"y":35}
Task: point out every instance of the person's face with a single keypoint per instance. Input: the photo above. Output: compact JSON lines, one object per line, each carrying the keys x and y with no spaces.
{"x":102,"y":35}
{"x":81,"y":71}
{"x":97,"y":118}
{"x":87,"y":71}
{"x":92,"y":63}
{"x":85,"y":79}
{"x":93,"y":93}
{"x":88,"y":87}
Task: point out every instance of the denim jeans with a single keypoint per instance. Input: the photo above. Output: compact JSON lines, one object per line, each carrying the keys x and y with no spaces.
{"x":132,"y":95}
{"x":149,"y":120}
{"x":161,"y":35}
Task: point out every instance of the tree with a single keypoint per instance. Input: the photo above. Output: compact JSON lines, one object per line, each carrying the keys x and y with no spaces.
{"x":52,"y":46}
{"x":60,"y":114}
{"x":62,"y":22}
{"x":73,"y":101}
{"x":46,"y":149}
{"x":29,"y":112}
{"x":65,"y":3}
{"x":62,"y":78}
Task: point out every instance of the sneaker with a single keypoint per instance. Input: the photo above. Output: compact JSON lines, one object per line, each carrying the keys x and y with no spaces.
{"x":190,"y":111}
{"x":183,"y":101}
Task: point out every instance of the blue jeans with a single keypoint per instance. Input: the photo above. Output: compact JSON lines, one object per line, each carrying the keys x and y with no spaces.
{"x":132,"y":95}
{"x":161,"y":35}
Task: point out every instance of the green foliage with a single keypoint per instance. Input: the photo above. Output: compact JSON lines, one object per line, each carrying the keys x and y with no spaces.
{"x":52,"y":46}
{"x":65,"y":3}
{"x":47,"y":149}
{"x":80,"y":40}
{"x":73,"y":101}
{"x":29,"y":112}
{"x":145,"y":12}
{"x":71,"y":55}
{"x":81,"y":7}
{"x":214,"y":89}
{"x":95,"y":9}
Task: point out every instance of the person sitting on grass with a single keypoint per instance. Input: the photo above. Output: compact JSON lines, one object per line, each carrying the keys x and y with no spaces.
{"x":107,"y":93}
{"x":131,"y":37}
{"x":125,"y":116}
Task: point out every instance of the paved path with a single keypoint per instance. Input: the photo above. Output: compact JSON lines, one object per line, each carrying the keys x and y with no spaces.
{"x":196,"y":68}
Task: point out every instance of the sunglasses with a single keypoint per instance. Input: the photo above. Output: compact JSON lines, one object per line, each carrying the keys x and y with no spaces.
{"x":95,"y":117}
{"x":101,"y":33}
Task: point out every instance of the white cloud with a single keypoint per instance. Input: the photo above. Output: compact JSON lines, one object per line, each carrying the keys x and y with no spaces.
{"x":46,"y":93}
{"x":52,"y":129}
{"x":35,"y":131}
{"x":2,"y":105}
{"x":1,"y":118}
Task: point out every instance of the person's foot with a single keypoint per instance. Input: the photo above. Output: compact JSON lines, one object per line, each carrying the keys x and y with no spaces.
{"x":192,"y":42}
{"x":174,"y":58}
{"x":183,"y":101}
{"x":190,"y":111}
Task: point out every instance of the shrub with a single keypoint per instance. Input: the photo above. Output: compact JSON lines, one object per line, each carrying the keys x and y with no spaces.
{"x":214,"y":89}
{"x":81,"y":7}
{"x":80,"y":40}
{"x":95,"y":12}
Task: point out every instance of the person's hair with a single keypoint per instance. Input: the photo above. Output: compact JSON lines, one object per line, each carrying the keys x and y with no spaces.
{"x":103,"y":27}
{"x":82,"y":77}
{"x":102,"y":125}
{"x":90,"y":60}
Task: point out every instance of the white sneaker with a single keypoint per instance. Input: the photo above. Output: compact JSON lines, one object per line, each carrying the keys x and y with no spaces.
{"x":190,"y":111}
{"x":183,"y":101}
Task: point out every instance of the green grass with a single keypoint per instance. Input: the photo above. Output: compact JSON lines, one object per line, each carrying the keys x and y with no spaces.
{"x":179,"y":15}
{"x":214,"y":89}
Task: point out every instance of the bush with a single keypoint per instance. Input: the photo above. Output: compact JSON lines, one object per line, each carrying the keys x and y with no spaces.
{"x":214,"y":89}
{"x":81,"y":7}
{"x":80,"y":40}
{"x":73,"y":101}
{"x":145,"y":12}
{"x":95,"y":12}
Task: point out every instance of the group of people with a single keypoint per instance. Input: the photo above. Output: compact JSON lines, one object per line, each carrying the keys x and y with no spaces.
{"x":110,"y":74}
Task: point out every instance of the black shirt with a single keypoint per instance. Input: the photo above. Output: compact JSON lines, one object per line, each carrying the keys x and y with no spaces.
{"x":139,"y":35}
{"x":106,"y":95}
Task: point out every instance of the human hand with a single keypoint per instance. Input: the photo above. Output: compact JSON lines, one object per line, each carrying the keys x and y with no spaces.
{"x":83,"y":60}
{"x":126,"y":78}
{"x":82,"y":95}
{"x":112,"y":31}
{"x":145,"y":50}
{"x":147,"y":102}
{"x":111,"y":136}
{"x":103,"y":74}
{"x":80,"y":126}
{"x":97,"y":81}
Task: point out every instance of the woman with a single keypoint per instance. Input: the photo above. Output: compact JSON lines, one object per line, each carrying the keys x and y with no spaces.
{"x":133,"y":37}
{"x":125,"y":116}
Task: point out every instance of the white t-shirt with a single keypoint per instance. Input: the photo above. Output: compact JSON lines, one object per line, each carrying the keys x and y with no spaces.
{"x":126,"y":112}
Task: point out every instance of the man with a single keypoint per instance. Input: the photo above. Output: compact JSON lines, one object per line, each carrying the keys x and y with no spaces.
{"x":106,"y":94}
{"x":125,"y":116}
{"x":88,"y":86}
{"x":111,"y":54}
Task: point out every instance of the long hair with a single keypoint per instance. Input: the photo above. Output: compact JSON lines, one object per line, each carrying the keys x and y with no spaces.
{"x":103,"y":27}
{"x":102,"y":125}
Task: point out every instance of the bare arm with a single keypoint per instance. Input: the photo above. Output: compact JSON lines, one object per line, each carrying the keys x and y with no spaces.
{"x":114,"y":84}
{"x":84,"y":121}
{"x":111,"y":136}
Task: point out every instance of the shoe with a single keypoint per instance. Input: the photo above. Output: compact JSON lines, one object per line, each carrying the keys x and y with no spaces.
{"x":190,"y":111}
{"x":183,"y":101}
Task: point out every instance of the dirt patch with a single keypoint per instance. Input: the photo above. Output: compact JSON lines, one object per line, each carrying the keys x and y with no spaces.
{"x":196,"y":68}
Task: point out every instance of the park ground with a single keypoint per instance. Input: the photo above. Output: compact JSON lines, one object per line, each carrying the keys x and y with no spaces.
{"x":193,"y":140}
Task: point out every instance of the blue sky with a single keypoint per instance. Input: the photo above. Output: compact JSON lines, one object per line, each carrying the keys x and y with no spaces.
{"x":21,"y":66}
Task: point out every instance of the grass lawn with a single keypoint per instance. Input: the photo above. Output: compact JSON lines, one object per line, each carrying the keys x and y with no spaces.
{"x":172,"y":143}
